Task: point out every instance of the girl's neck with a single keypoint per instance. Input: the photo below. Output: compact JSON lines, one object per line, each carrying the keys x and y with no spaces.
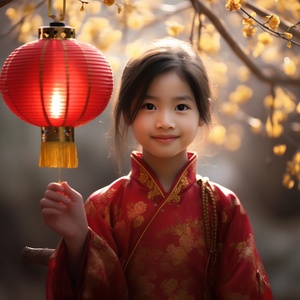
{"x":166,"y":169}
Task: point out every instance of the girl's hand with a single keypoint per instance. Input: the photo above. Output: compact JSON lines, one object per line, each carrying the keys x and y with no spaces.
{"x":63,"y":212}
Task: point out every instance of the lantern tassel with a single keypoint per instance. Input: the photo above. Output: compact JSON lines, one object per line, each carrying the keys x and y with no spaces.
{"x":58,"y":149}
{"x":58,"y":155}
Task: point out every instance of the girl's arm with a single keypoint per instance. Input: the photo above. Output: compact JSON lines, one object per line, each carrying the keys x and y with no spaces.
{"x":85,"y":264}
{"x":240,"y":272}
{"x":63,"y":212}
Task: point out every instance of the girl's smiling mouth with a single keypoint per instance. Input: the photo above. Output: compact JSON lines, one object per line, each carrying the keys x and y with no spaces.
{"x":165,"y":138}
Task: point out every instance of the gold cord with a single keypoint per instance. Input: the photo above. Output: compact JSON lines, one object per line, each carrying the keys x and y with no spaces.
{"x":210,"y":219}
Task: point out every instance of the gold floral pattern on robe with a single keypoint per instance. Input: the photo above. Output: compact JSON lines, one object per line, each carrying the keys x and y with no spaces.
{"x":146,"y":179}
{"x":181,"y":184}
{"x":135,"y":211}
{"x":141,"y":249}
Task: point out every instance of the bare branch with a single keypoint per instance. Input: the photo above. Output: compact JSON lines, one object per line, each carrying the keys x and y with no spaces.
{"x":4,"y":2}
{"x":269,"y":76}
{"x":36,"y":256}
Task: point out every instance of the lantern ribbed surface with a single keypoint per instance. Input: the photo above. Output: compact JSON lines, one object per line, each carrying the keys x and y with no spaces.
{"x":55,"y":82}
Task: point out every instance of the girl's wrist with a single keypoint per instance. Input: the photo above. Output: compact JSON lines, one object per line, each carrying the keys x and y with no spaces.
{"x":77,"y":241}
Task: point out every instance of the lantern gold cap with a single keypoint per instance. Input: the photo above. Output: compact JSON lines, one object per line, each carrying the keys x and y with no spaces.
{"x":56,"y":30}
{"x":57,"y":134}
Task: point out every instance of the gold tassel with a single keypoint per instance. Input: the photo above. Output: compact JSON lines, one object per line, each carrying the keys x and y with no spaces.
{"x":58,"y":149}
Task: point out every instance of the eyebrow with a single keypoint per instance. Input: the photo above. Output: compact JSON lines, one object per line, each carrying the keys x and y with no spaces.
{"x":184,"y":97}
{"x":179,"y":98}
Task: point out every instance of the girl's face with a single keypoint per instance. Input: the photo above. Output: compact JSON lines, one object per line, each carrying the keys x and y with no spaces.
{"x":168,"y":120}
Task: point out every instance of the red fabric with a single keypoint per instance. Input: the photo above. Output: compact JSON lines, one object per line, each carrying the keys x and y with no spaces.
{"x":151,"y":245}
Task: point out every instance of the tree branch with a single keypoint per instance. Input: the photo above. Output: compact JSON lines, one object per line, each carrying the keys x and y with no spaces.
{"x":4,"y":2}
{"x":36,"y":256}
{"x":263,"y":12}
{"x":267,"y":75}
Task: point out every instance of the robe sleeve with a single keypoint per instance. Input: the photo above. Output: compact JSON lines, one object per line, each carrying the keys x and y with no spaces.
{"x":240,"y":272}
{"x":101,"y":275}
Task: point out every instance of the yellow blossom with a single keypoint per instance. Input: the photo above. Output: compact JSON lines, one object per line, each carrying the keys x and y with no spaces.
{"x":248,"y":22}
{"x":249,"y":26}
{"x":229,"y":108}
{"x":218,"y":135}
{"x":273,"y":128}
{"x":248,"y":31}
{"x":99,"y":32}
{"x":111,"y":2}
{"x":233,"y":141}
{"x":11,"y":13}
{"x":289,"y":66}
{"x":265,"y":38}
{"x":269,"y":55}
{"x":233,"y":5}
{"x":296,"y":10}
{"x":273,"y":21}
{"x":288,"y":35}
{"x":234,"y":137}
{"x":269,"y":101}
{"x":243,"y":74}
{"x":241,"y":94}
{"x":210,"y":42}
{"x":108,"y":2}
{"x":267,"y":4}
{"x":287,"y":181}
{"x":283,"y":104}
{"x":279,"y":149}
{"x":219,"y":70}
{"x":134,"y":49}
{"x":139,"y":15}
{"x":258,"y":49}
{"x":174,"y":28}
{"x":296,"y":158}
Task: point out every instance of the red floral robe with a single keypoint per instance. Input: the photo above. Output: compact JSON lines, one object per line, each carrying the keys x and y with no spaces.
{"x":145,"y":243}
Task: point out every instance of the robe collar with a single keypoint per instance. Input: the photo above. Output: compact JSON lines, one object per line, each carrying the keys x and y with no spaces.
{"x":141,"y":173}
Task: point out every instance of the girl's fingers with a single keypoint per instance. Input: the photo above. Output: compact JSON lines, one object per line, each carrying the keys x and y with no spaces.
{"x":56,"y":196}
{"x":51,"y":212}
{"x":55,"y":186}
{"x":69,"y":192}
{"x":47,"y":203}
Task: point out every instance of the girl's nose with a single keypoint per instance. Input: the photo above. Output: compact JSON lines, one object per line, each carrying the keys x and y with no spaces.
{"x":165,"y":120}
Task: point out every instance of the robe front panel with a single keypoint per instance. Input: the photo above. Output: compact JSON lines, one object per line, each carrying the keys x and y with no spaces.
{"x":159,"y":235}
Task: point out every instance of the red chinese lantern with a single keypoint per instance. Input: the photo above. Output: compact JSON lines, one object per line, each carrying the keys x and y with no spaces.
{"x":57,"y":83}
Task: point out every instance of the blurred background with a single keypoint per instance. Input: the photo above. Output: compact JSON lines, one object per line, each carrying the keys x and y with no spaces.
{"x":233,"y":156}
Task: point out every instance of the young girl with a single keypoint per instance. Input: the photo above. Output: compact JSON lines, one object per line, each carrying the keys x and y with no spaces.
{"x":162,"y":231}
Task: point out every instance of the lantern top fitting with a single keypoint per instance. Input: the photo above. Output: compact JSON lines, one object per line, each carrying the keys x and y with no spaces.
{"x":56,"y":30}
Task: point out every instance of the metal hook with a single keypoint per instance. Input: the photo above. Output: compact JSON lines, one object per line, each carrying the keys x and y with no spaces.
{"x":54,"y":17}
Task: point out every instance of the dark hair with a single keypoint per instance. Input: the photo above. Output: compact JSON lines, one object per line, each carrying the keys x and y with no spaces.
{"x":159,"y":57}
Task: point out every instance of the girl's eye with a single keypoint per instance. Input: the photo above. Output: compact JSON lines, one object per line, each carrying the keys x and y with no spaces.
{"x":148,"y":106}
{"x":181,"y":107}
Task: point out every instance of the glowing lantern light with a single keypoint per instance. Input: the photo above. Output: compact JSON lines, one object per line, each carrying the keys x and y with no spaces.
{"x":57,"y":83}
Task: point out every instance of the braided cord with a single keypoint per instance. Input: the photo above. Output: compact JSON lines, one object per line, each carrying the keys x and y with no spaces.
{"x":210,"y":220}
